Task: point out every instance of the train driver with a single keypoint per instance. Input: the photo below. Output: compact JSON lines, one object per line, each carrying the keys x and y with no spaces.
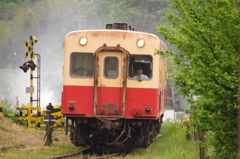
{"x":139,"y":74}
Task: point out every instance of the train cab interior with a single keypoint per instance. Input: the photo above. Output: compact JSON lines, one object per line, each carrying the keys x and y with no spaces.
{"x":81,"y":65}
{"x":140,"y":61}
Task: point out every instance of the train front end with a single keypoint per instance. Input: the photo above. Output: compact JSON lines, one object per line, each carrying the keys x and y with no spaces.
{"x":104,"y":99}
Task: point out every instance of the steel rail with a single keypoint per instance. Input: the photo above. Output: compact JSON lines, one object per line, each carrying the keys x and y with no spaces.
{"x":85,"y":152}
{"x":106,"y":156}
{"x":119,"y":155}
{"x":89,"y":152}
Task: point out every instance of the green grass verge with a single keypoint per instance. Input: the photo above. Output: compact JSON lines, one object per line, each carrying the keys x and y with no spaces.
{"x":44,"y":152}
{"x":171,"y":145}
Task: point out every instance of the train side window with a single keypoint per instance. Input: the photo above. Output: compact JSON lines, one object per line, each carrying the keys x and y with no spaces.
{"x":140,"y":62}
{"x":81,"y":65}
{"x":111,"y":67}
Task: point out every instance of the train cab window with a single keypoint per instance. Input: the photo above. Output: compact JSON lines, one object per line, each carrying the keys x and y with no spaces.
{"x":111,"y":67}
{"x":81,"y":65}
{"x":140,"y":67}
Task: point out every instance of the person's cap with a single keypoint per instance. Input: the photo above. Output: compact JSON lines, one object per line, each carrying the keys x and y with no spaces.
{"x":139,"y":68}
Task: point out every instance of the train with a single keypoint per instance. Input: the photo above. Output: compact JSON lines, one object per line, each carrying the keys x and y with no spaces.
{"x":114,"y":87}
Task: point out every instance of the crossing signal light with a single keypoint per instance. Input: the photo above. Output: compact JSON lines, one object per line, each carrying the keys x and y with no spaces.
{"x":24,"y":67}
{"x":31,"y":65}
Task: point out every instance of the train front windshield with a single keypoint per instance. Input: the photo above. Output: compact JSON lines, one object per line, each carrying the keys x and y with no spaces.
{"x":81,"y":65}
{"x":111,"y":67}
{"x":140,"y":62}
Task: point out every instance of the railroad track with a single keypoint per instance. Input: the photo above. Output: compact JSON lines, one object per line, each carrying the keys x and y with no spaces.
{"x":89,"y":152}
{"x":118,"y":155}
{"x":86,"y":153}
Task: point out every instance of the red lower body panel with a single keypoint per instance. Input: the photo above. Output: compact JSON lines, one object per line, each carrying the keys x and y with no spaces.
{"x":82,"y":97}
{"x":109,"y":100}
{"x":79,"y":96}
{"x":140,"y":99}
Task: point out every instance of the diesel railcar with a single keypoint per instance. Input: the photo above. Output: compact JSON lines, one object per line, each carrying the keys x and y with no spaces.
{"x":114,"y":87}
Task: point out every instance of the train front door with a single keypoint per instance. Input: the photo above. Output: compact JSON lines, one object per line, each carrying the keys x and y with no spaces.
{"x":110,"y":83}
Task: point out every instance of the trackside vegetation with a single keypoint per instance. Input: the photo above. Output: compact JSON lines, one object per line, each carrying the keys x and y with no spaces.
{"x":7,"y":107}
{"x":171,"y":145}
{"x":24,"y":143}
{"x":206,"y":34}
{"x":28,"y":143}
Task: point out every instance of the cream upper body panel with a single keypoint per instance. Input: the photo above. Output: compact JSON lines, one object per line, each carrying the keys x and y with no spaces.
{"x":126,"y":39}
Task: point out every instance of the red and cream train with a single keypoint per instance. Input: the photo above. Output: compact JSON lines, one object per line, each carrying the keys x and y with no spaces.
{"x":102,"y":99}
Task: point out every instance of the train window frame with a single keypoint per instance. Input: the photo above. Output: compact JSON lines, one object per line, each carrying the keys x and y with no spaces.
{"x":104,"y":67}
{"x":70,"y":65}
{"x":150,"y":67}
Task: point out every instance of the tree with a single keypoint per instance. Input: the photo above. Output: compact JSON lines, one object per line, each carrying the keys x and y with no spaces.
{"x":173,"y":96}
{"x":143,"y":16}
{"x":206,"y":34}
{"x":50,"y":21}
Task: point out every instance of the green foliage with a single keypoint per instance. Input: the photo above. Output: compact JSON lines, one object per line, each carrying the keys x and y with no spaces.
{"x":206,"y":35}
{"x":171,"y":145}
{"x":180,"y":115}
{"x":143,"y":16}
{"x":51,"y":20}
{"x":7,"y":106}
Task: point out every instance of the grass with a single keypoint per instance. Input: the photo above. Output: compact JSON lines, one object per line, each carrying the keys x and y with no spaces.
{"x":13,"y":135}
{"x":171,"y":145}
{"x":7,"y":107}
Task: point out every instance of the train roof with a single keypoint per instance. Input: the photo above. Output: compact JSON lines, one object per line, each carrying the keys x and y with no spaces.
{"x":118,"y":30}
{"x":164,"y":46}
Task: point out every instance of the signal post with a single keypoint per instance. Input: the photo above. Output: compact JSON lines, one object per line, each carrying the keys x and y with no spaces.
{"x":1,"y":114}
{"x":30,"y":64}
{"x":56,"y":113}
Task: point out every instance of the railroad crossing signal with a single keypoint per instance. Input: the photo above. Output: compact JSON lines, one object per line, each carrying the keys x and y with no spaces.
{"x":24,"y":67}
{"x":30,"y":64}
{"x":33,"y":40}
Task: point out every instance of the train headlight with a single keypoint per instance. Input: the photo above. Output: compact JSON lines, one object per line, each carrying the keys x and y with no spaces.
{"x":71,"y":107}
{"x":140,"y":42}
{"x":148,"y":110}
{"x":83,"y":41}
